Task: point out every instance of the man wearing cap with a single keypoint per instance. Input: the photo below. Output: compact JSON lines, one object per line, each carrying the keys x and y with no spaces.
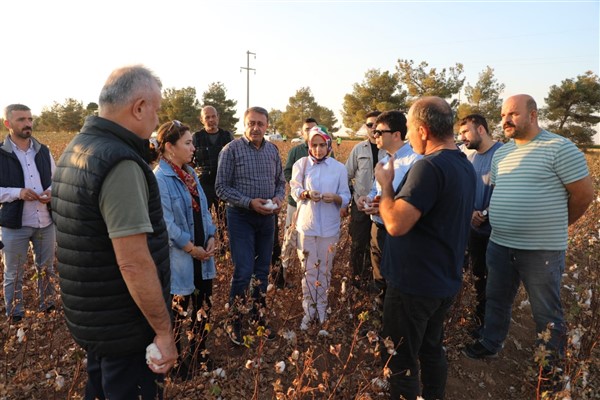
{"x":360,"y":165}
{"x":26,"y":168}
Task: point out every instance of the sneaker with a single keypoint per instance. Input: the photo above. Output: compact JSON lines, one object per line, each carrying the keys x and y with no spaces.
{"x":15,"y":319}
{"x":477,"y":351}
{"x":476,"y":333}
{"x":235,"y":333}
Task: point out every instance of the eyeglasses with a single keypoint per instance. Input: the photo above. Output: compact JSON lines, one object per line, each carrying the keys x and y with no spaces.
{"x":174,"y":123}
{"x":370,"y":125}
{"x":377,"y":133}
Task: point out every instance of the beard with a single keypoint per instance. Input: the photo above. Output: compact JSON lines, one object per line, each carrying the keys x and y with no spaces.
{"x":473,"y":144}
{"x":516,"y":133}
{"x":23,"y":133}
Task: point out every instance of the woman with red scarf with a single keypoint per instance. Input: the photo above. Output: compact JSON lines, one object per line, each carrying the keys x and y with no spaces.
{"x":191,"y":241}
{"x":319,"y":185}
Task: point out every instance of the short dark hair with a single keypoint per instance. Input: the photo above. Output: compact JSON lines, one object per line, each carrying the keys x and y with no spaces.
{"x":436,"y":114}
{"x":374,"y":113}
{"x":259,"y":110}
{"x":395,"y":119}
{"x":14,"y":107}
{"x":475,"y":119}
{"x":311,"y":120}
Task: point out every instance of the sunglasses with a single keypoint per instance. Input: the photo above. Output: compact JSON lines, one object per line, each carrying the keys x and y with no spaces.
{"x":370,"y":125}
{"x":377,"y":133}
{"x":174,"y":123}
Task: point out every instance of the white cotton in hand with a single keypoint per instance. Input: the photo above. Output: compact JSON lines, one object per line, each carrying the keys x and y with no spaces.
{"x":152,"y":351}
{"x":270,"y":205}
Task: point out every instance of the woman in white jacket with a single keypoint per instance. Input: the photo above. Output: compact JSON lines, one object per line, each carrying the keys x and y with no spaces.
{"x":320,"y":186}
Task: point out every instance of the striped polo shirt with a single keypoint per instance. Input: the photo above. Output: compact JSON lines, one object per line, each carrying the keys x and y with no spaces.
{"x":528,"y":208}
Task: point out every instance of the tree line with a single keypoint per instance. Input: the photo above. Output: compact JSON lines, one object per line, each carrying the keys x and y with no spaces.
{"x":572,"y":107}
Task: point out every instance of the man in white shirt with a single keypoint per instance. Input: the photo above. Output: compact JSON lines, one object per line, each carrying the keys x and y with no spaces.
{"x":26,"y":168}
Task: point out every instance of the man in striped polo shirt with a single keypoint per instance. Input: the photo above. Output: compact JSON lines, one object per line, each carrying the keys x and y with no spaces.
{"x":541,"y":186}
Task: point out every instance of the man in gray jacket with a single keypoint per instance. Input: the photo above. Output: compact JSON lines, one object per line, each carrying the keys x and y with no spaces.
{"x":360,"y":165}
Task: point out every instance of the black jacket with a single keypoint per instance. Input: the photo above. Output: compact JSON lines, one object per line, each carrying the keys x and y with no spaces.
{"x":206,"y":157}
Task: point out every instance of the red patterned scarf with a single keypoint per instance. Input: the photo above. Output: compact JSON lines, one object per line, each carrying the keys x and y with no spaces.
{"x":189,"y":182}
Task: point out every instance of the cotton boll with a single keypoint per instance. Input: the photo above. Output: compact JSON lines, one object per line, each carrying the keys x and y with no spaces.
{"x":280,"y":367}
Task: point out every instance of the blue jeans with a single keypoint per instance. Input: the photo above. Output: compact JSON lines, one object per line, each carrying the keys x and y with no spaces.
{"x":16,"y":245}
{"x":122,"y":378}
{"x":416,"y":326}
{"x":541,"y":272}
{"x":251,"y":243}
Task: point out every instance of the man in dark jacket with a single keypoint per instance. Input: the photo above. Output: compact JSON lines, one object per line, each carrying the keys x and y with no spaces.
{"x":209,"y":141}
{"x":26,"y":168}
{"x":113,"y":253}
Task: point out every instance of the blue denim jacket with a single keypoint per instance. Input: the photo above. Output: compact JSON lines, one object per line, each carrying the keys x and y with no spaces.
{"x":177,"y":210}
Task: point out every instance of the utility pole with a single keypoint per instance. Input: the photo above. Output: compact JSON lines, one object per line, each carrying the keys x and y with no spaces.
{"x":248,"y":69}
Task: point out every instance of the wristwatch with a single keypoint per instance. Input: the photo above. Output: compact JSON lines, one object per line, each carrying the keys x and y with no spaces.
{"x":484,"y":213}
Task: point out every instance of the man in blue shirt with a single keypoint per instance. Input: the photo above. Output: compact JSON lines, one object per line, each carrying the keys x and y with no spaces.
{"x":474,"y":133}
{"x":250,"y":179}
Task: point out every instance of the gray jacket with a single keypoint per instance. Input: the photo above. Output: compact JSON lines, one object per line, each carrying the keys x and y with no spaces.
{"x":360,"y":168}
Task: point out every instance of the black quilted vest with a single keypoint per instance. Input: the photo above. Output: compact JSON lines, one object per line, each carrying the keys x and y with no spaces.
{"x":206,"y":156}
{"x":11,"y":175}
{"x":99,"y":310}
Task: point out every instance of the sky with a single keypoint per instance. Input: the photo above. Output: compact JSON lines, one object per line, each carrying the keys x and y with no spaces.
{"x":54,"y":50}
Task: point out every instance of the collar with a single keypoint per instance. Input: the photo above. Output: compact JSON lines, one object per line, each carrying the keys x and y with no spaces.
{"x":105,"y":126}
{"x":262,"y":144}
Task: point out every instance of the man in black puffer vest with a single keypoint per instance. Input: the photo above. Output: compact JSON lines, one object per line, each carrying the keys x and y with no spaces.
{"x":113,"y":255}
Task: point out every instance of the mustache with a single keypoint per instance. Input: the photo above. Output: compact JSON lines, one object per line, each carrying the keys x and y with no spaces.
{"x":508,"y":125}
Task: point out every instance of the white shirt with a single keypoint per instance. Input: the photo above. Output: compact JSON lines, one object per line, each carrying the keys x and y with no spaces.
{"x":35,"y":214}
{"x":329,"y":176}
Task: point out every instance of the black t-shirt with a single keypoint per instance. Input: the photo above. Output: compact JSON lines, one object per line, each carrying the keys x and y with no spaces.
{"x":428,"y":260}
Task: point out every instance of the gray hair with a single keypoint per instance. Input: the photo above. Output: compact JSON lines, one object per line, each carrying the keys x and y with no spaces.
{"x":258,"y":110}
{"x":126,"y":84}
{"x":14,"y":107}
{"x":436,"y":114}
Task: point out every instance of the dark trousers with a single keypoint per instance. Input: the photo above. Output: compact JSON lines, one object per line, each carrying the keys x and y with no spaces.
{"x":416,"y":326}
{"x":477,"y":249}
{"x":122,"y":378}
{"x":251,"y":243}
{"x":360,"y":232}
